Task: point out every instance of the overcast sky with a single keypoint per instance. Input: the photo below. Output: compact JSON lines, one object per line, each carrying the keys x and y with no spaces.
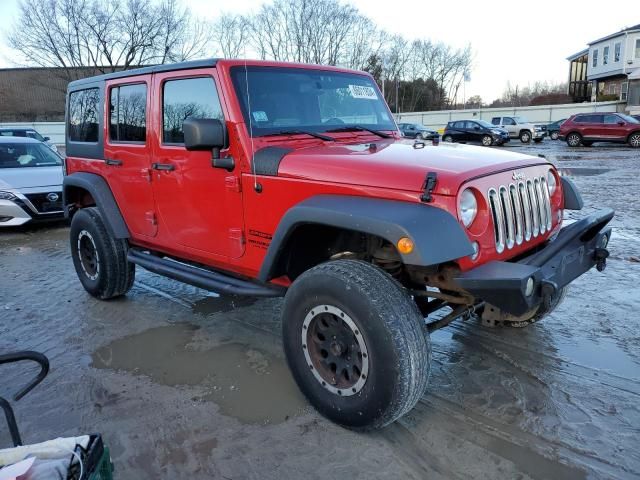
{"x":519,"y":42}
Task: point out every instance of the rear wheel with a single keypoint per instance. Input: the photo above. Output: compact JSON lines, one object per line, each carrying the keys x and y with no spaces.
{"x":99,"y":259}
{"x":356,"y":344}
{"x":525,"y":136}
{"x":574,"y":139}
{"x":634,"y":140}
{"x":447,"y":139}
{"x":487,"y":141}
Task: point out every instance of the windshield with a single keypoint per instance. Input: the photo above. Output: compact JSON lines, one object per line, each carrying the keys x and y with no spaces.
{"x":485,"y":124}
{"x":628,"y":118}
{"x":285,"y":99}
{"x":17,"y":155}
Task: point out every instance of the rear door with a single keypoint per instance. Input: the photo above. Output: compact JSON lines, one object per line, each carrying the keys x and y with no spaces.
{"x":199,"y":206}
{"x":127,"y":152}
{"x":593,"y":127}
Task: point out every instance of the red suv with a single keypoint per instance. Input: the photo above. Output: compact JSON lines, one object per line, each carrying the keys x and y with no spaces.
{"x":587,"y":128}
{"x":286,"y":180}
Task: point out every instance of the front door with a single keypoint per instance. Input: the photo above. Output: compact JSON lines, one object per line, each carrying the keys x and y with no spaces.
{"x":614,"y":127}
{"x":198,"y":206}
{"x":511,"y":126}
{"x":127,"y":152}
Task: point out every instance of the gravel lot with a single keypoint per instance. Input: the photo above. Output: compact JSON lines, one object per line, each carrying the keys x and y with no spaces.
{"x":184,"y":384}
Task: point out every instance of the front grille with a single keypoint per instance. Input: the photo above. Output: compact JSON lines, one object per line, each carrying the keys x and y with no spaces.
{"x":521,"y":211}
{"x":42,"y":204}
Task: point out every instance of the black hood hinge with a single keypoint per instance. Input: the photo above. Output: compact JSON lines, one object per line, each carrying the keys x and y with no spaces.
{"x":428,"y":186}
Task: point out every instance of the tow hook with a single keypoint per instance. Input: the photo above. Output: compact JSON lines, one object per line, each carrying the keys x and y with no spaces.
{"x":601,"y":255}
{"x":548,"y":291}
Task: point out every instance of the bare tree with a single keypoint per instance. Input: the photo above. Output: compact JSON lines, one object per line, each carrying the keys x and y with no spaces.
{"x":231,"y":33}
{"x":107,"y":36}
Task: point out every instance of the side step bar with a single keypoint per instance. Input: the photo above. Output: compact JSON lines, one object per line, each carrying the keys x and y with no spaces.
{"x":201,"y":278}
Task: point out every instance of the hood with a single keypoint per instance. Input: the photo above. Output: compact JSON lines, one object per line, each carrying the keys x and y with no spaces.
{"x":400,"y":166}
{"x":30,"y":177}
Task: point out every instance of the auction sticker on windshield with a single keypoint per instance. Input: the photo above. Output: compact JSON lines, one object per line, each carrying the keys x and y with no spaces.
{"x":359,"y":91}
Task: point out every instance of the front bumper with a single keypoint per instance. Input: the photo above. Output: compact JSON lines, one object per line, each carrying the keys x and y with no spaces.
{"x":576,"y":249}
{"x":11,"y":215}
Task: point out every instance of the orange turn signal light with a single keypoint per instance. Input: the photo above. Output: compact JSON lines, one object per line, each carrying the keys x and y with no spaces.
{"x":405,"y":245}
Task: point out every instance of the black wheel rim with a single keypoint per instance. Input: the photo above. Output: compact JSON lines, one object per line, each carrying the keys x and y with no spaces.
{"x":88,"y":255}
{"x":335,"y":350}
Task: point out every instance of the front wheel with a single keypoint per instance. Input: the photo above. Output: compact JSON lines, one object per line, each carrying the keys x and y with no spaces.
{"x":447,"y":139}
{"x":554,"y":135}
{"x":356,"y":344}
{"x":487,"y":141}
{"x":525,"y":136}
{"x":99,"y":259}
{"x":419,"y":136}
{"x":634,"y":140}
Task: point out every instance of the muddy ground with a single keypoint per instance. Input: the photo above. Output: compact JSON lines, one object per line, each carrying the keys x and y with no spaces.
{"x":184,"y":384}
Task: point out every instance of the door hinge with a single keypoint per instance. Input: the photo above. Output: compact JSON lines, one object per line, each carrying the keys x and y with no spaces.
{"x":151,"y":218}
{"x":236,"y":237}
{"x":232,"y":182}
{"x":428,"y":186}
{"x":146,"y":174}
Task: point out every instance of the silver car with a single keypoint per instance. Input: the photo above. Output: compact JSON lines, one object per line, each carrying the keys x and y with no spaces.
{"x":30,"y":181}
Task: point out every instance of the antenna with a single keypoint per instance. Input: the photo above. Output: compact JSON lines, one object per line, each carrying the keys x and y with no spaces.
{"x":253,"y":168}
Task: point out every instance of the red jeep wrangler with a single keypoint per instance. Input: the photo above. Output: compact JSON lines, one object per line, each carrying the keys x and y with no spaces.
{"x":271,"y":179}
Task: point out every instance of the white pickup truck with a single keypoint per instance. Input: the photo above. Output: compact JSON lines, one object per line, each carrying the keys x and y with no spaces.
{"x":519,"y":127}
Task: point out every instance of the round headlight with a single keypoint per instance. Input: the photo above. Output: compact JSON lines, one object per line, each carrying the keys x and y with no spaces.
{"x":468,"y":207}
{"x":552,"y":182}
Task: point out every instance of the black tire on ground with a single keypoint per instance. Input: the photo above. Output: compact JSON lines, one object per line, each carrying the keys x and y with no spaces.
{"x":537,"y":140}
{"x":525,"y":136}
{"x":634,"y":140}
{"x":100,"y":260}
{"x":554,"y":135}
{"x":574,"y":139}
{"x":487,"y":141}
{"x":380,"y":319}
{"x":447,"y":139}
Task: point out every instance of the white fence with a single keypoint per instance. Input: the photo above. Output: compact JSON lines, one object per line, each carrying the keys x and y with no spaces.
{"x":435,"y":120}
{"x":542,"y":114}
{"x":53,"y":130}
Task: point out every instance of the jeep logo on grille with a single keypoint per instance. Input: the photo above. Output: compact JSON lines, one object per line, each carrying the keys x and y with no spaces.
{"x":518,"y":176}
{"x":52,"y":197}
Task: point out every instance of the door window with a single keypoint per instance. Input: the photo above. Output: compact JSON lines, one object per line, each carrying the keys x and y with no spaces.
{"x":495,"y":120}
{"x":187,"y":98}
{"x":611,"y":119}
{"x":128,"y":120}
{"x":508,"y":121}
{"x":83,"y":115}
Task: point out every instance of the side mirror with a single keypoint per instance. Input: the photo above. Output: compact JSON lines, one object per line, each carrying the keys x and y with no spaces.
{"x":204,"y":134}
{"x":46,"y":139}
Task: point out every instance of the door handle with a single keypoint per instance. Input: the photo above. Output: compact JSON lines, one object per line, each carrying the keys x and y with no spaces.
{"x":113,"y":162}
{"x":163,"y":166}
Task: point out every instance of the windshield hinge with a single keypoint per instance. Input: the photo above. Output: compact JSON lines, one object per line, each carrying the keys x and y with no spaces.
{"x":428,"y":186}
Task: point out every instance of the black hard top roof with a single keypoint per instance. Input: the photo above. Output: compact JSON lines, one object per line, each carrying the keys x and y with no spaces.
{"x":169,"y":67}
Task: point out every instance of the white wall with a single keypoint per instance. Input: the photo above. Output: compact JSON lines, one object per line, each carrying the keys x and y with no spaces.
{"x":543,"y":114}
{"x":53,"y":130}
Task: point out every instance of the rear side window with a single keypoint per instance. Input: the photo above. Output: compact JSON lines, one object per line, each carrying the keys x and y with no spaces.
{"x":187,"y":98}
{"x":83,"y":115}
{"x":612,"y":119}
{"x":588,"y":119}
{"x":495,"y":120}
{"x":128,"y":113}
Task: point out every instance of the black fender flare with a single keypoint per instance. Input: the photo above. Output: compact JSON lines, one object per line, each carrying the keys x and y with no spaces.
{"x":571,"y":194}
{"x":437,"y":235}
{"x":101,"y":193}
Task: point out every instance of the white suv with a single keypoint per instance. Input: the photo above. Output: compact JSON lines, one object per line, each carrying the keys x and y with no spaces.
{"x":519,"y":127}
{"x":30,"y":182}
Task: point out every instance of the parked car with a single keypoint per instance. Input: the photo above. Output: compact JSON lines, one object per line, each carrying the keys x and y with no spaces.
{"x":30,"y":133}
{"x":30,"y":182}
{"x":220,"y":174}
{"x":553,"y":129}
{"x":519,"y":127}
{"x":417,"y":131}
{"x":475,"y":131}
{"x":586,"y":128}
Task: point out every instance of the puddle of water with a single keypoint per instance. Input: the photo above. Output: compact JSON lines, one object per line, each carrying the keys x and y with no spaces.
{"x":582,"y":171}
{"x":217,"y":304}
{"x":247,"y":384}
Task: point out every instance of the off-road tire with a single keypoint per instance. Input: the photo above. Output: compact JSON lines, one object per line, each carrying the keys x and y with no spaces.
{"x":392,"y":328}
{"x":574,"y":139}
{"x":554,"y":135}
{"x":634,"y":140}
{"x":487,"y":141}
{"x":113,"y":275}
{"x":447,"y":139}
{"x":525,"y":136}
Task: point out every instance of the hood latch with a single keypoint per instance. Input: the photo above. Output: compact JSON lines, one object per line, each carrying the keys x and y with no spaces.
{"x":428,"y":186}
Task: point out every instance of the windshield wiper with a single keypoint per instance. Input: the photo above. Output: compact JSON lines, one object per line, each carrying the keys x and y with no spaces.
{"x":360,"y":128}
{"x":300,"y":132}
